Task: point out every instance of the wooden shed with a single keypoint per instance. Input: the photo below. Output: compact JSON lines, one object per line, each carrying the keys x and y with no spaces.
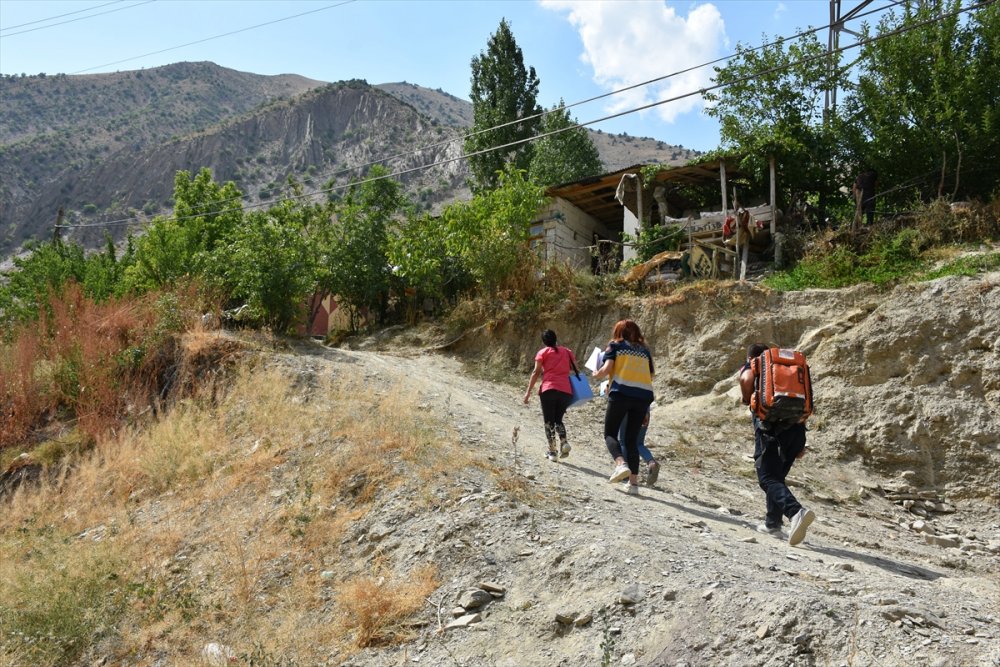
{"x":594,"y":213}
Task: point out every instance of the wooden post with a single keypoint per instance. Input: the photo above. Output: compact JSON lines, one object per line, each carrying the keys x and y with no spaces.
{"x":57,"y":229}
{"x":774,"y":197}
{"x":722,"y":178}
{"x":775,"y":237}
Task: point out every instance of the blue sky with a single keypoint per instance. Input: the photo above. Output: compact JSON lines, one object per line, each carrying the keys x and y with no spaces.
{"x":580,"y":49}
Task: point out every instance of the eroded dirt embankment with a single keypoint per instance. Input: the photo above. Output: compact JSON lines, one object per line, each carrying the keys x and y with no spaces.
{"x":905,"y":381}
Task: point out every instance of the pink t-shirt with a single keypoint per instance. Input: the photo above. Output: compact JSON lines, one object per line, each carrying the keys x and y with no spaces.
{"x":555,"y":368}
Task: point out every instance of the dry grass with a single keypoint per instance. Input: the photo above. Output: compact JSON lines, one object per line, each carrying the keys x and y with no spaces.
{"x":214,"y":521}
{"x":96,"y":363}
{"x":372,"y":607}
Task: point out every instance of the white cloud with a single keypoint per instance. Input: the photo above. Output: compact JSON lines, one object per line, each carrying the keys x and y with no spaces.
{"x":779,"y":10}
{"x":628,"y":42}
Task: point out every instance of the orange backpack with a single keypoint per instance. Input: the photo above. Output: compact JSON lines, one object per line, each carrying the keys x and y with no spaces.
{"x":782,"y":387}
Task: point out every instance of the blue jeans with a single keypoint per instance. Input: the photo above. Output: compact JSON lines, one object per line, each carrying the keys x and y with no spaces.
{"x":620,"y":408}
{"x":773,"y":456}
{"x":644,"y":452}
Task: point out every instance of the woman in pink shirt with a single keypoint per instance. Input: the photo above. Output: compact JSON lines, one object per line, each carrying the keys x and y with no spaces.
{"x":553,"y":363}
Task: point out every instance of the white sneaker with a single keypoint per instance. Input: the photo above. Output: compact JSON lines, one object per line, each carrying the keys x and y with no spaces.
{"x":768,"y":530}
{"x":630,"y":489}
{"x":551,"y":455}
{"x":565,"y":450}
{"x":621,"y":472}
{"x":800,"y":523}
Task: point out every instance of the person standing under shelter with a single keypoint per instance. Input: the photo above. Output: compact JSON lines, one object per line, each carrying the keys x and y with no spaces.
{"x":628,"y":364}
{"x":775,"y":450}
{"x":864,"y":193}
{"x":554,"y":364}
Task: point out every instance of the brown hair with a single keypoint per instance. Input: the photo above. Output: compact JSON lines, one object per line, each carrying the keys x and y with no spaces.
{"x":629,"y":331}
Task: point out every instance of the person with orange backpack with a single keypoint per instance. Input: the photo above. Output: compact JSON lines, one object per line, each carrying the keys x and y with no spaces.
{"x":776,"y":385}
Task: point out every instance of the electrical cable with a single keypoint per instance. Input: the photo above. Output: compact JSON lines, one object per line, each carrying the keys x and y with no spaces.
{"x":59,"y":16}
{"x":701,"y":91}
{"x":225,"y":34}
{"x":617,"y":91}
{"x":79,"y":18}
{"x":355,"y":168}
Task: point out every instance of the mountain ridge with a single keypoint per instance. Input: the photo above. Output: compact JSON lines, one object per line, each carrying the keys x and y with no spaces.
{"x":105,"y":147}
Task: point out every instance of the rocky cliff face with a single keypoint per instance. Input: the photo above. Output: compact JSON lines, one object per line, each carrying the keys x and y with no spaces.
{"x":313,"y":139}
{"x":106,"y":147}
{"x":58,"y":130}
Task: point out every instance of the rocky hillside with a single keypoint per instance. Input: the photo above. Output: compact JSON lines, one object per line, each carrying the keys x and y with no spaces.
{"x":106,"y":146}
{"x":617,"y":150}
{"x":55,"y":130}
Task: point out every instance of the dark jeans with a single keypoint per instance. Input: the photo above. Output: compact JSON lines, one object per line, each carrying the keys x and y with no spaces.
{"x":554,"y":404}
{"x":773,"y":455}
{"x":619,"y":408}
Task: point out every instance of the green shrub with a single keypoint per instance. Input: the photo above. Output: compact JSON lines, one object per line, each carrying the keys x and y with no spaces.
{"x":969,"y":265}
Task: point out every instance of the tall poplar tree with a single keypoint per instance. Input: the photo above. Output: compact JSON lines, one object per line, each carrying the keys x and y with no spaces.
{"x":503,"y":90}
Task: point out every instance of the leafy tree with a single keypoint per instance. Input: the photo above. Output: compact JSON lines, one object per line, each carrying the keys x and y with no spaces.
{"x":46,"y":268}
{"x":204,"y":213}
{"x":103,"y":271}
{"x":418,"y":256}
{"x":356,"y":267}
{"x":925,"y":109}
{"x":269,"y":263}
{"x":772,"y":104}
{"x":490,"y":233}
{"x":567,"y":156}
{"x":503,"y":91}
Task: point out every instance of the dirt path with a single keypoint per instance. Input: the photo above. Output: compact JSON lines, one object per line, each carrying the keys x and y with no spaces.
{"x":678,"y":575}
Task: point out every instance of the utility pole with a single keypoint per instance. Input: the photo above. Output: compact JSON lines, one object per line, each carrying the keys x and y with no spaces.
{"x":838,"y":21}
{"x":57,"y":229}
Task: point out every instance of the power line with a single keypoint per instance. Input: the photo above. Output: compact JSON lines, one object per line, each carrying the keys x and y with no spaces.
{"x":225,"y":34}
{"x":416,"y":151}
{"x":464,"y":156}
{"x":617,"y":91}
{"x":336,"y":173}
{"x":58,"y":16}
{"x":79,"y":18}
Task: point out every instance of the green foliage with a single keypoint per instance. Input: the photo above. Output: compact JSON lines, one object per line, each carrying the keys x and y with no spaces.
{"x":889,"y":260}
{"x":269,"y":263}
{"x":204,"y":214}
{"x":772,"y":105}
{"x":651,"y":241}
{"x":567,"y":156}
{"x":356,"y":264}
{"x":968,"y":265}
{"x":417,"y":253}
{"x":924,"y":112}
{"x":489,"y":234}
{"x":45,"y":269}
{"x":503,"y":91}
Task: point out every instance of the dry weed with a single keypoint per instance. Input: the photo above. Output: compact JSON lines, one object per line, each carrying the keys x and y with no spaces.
{"x":373,"y":607}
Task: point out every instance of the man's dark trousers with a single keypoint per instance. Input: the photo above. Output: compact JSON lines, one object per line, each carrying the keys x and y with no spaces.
{"x":774,"y":453}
